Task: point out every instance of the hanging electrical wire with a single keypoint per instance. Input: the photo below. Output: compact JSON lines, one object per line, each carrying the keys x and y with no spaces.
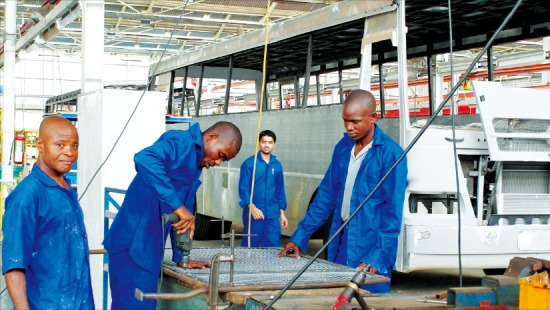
{"x":453,"y":129}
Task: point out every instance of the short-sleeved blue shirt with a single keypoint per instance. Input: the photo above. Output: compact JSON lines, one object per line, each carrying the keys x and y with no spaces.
{"x":44,"y":235}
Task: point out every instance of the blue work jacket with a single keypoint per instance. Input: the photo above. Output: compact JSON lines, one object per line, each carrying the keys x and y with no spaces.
{"x":44,"y":235}
{"x":269,"y":186}
{"x":373,"y":232}
{"x":167,"y":177}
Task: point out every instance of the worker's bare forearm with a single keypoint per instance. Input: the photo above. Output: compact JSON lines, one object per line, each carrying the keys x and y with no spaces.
{"x":17,"y":288}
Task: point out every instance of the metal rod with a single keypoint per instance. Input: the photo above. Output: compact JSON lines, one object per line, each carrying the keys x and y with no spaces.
{"x":232,"y":263}
{"x":214,"y":279}
{"x":223,"y":221}
{"x":170,"y":296}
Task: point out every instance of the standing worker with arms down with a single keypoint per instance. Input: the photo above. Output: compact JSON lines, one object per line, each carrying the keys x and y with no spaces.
{"x":45,"y":255}
{"x":269,"y":200}
{"x":166,"y":181}
{"x":359,"y":160}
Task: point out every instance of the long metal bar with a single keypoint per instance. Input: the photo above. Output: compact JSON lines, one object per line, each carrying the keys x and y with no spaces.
{"x":213,"y":282}
{"x":318,"y":88}
{"x":228,"y":88}
{"x":170,"y":107}
{"x":198,"y":95}
{"x":340,"y":82}
{"x":297,"y":101}
{"x":402,"y":79}
{"x":184,"y":102}
{"x":490,"y":69}
{"x":382,"y":90}
{"x":307,"y":74}
{"x":170,"y":296}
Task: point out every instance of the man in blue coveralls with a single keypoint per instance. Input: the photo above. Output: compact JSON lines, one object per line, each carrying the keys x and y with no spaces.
{"x":359,"y":160}
{"x":45,"y":255}
{"x":166,"y":181}
{"x":267,"y":211}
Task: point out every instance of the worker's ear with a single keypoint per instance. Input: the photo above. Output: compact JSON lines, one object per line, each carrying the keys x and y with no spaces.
{"x":39,"y":145}
{"x":213,"y":136}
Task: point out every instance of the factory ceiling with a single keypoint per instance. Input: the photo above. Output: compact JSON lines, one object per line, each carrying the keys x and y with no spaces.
{"x":150,"y":26}
{"x":177,"y":26}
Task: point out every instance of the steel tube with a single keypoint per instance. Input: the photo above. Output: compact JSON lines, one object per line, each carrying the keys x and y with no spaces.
{"x":170,"y":296}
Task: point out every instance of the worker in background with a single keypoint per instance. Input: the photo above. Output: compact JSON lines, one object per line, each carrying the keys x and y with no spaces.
{"x":359,"y":160}
{"x":266,"y":211}
{"x":45,"y":255}
{"x":166,"y":181}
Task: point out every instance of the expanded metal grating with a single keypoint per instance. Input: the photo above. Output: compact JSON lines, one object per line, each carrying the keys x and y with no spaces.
{"x":255,"y":266}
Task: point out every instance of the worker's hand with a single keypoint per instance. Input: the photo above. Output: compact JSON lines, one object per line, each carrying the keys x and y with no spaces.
{"x":284,"y":221}
{"x":290,"y":250}
{"x":257,"y":214}
{"x":186,"y":222}
{"x":368,"y":267}
{"x":195,"y":264}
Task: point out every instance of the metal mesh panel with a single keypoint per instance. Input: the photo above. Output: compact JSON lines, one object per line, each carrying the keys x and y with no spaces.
{"x":256,"y":266}
{"x":525,"y":181}
{"x":522,"y":126}
{"x":503,"y":125}
{"x":522,"y":145}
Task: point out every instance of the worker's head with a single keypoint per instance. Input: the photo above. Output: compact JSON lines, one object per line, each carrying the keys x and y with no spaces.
{"x":57,"y":145}
{"x":221,"y":142}
{"x":359,"y":115}
{"x":267,"y":141}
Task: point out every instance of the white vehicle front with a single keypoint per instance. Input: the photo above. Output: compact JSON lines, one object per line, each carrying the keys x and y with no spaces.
{"x":503,"y":181}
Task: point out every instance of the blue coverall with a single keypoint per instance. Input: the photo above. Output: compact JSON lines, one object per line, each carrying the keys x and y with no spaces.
{"x":167,"y":177}
{"x":269,"y":197}
{"x":371,"y":236}
{"x":45,"y":236}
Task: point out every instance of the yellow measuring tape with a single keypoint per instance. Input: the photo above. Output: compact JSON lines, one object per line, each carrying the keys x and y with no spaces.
{"x":264,"y":69}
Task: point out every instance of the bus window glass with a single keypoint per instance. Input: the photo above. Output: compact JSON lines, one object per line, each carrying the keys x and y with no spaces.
{"x":274,"y":97}
{"x":330,"y":90}
{"x":289,"y":95}
{"x":242,"y":96}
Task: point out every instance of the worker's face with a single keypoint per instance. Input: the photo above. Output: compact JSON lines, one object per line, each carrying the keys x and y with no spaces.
{"x":266,"y":145}
{"x":217,"y":151}
{"x":58,"y":149}
{"x":358,"y":121}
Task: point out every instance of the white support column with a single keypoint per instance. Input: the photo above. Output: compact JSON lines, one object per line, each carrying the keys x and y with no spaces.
{"x":545,"y":75}
{"x":404,"y":120}
{"x":92,"y":45}
{"x":8,"y":105}
{"x":91,"y":134}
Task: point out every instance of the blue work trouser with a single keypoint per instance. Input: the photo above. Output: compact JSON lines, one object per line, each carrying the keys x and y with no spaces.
{"x":342,"y":258}
{"x":267,"y":233}
{"x":125,"y":276}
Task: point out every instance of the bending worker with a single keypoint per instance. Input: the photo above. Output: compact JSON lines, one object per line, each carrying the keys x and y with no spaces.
{"x":166,"y":181}
{"x":359,"y":160}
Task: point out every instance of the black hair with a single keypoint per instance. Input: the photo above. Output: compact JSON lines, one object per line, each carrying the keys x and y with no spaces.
{"x":268,"y":133}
